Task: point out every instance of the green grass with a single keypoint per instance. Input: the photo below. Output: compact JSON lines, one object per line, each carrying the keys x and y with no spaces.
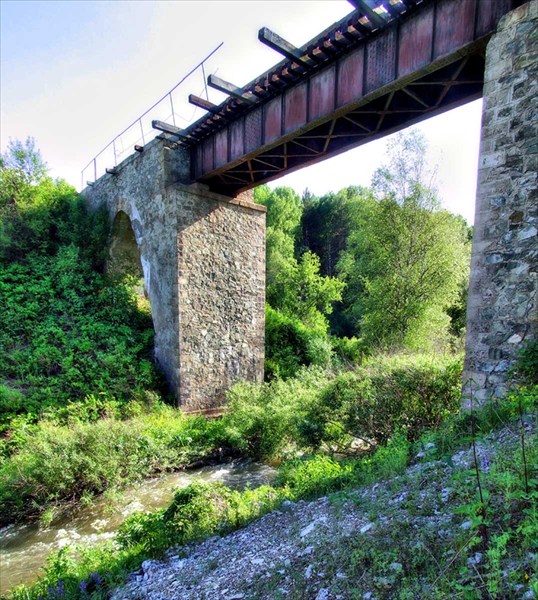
{"x":57,"y":463}
{"x":90,"y":446}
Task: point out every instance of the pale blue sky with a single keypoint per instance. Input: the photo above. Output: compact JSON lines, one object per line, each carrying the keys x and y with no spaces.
{"x":75,"y":73}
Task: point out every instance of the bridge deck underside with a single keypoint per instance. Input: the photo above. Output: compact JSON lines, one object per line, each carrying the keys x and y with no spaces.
{"x":426,"y":60}
{"x":449,"y":87}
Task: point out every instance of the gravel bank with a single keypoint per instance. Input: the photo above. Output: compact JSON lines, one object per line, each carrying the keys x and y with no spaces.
{"x":299,"y":551}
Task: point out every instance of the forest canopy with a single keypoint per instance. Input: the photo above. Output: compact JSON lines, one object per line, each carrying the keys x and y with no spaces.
{"x":386,"y":267}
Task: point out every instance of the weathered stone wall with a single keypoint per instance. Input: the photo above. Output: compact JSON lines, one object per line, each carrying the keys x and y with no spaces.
{"x":221,"y":265}
{"x":203,"y":259}
{"x":502,"y":305}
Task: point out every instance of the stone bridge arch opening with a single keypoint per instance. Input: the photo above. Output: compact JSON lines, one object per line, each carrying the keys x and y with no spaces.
{"x":124,"y":260}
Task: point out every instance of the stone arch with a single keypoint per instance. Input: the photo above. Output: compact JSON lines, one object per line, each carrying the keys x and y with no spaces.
{"x":124,"y":257}
{"x":123,"y":251}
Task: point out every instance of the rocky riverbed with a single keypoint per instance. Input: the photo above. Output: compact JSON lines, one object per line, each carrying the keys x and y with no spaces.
{"x":329,"y":549}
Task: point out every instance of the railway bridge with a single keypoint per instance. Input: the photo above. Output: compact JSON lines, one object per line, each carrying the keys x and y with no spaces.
{"x":183,"y":205}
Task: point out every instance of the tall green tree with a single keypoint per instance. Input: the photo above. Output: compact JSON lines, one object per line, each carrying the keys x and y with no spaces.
{"x":295,"y":286}
{"x":406,"y":259}
{"x":24,"y":161}
{"x":284,"y":210}
{"x":300,"y":291}
{"x":326,"y":224}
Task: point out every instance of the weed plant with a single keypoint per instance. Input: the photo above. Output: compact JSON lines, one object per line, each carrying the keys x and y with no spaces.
{"x":58,"y":464}
{"x":89,"y":447}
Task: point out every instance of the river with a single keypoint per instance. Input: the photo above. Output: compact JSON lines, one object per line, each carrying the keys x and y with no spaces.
{"x":25,"y":547}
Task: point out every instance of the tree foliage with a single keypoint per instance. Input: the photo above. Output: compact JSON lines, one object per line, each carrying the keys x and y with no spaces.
{"x":294,"y":283}
{"x":326,"y":224}
{"x":299,"y":297}
{"x":406,"y":259}
{"x":67,"y":332}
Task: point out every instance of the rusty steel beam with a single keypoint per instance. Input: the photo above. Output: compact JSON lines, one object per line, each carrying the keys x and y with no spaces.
{"x":425,"y":60}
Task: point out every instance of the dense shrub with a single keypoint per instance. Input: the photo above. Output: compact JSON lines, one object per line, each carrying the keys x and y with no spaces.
{"x":311,"y":476}
{"x":491,"y":415}
{"x":385,"y":395}
{"x":57,"y":463}
{"x":349,"y":350}
{"x":197,"y":511}
{"x":67,"y":332}
{"x":262,"y":419}
{"x":109,"y":444}
{"x":289,"y":344}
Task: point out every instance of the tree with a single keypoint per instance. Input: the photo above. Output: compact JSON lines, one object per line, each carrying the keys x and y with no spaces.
{"x":24,"y":161}
{"x":294,"y":284}
{"x":325,"y":225}
{"x":300,"y":291}
{"x":406,"y":258}
{"x":284,"y":211}
{"x":35,"y":210}
{"x":407,"y":174}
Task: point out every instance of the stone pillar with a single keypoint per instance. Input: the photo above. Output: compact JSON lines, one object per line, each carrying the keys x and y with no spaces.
{"x":502,"y":305}
{"x":221,"y":294}
{"x":203,"y":261}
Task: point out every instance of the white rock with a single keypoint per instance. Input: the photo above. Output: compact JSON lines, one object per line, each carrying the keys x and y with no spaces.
{"x":341,"y":575}
{"x":323,"y":594}
{"x":147,"y":565}
{"x":366,"y":527}
{"x":308,"y":529}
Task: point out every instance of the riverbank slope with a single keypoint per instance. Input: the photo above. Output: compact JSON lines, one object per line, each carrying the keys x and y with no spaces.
{"x":424,"y":534}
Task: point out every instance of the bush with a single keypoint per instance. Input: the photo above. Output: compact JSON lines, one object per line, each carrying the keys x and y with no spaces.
{"x":61,"y":463}
{"x":489,"y":416}
{"x":311,"y":476}
{"x":289,"y":344}
{"x":196,"y":512}
{"x":351,"y":351}
{"x":262,"y":419}
{"x":385,"y":395}
{"x":67,"y":332}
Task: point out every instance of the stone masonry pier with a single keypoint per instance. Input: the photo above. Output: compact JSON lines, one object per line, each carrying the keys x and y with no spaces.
{"x":502,"y":313}
{"x":203,"y":260}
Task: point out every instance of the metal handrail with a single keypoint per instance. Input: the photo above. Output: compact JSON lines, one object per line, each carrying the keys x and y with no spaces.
{"x":138,"y":121}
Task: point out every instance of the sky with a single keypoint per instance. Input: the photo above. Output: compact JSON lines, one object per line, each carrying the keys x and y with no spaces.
{"x":75,"y":73}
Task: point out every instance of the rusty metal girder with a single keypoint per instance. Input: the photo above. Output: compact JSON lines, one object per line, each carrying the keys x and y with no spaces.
{"x":422,"y":62}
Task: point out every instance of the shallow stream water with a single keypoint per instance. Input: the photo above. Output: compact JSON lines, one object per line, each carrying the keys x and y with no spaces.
{"x":24,"y":548}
